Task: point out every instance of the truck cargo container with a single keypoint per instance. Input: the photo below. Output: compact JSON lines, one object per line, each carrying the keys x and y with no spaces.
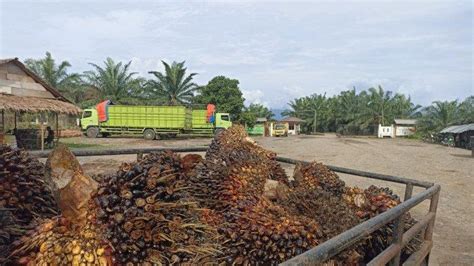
{"x":152,"y":121}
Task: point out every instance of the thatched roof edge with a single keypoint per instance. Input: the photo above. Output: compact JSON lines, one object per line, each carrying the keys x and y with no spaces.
{"x":34,"y":105}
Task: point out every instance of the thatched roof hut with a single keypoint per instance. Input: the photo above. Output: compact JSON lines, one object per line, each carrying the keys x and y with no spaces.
{"x":21,"y":90}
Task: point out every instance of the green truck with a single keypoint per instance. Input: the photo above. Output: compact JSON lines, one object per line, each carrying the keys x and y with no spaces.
{"x":152,"y":121}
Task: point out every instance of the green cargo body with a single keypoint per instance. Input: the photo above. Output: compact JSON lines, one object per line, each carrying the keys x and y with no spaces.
{"x":163,"y":117}
{"x":200,"y":120}
{"x":152,"y":121}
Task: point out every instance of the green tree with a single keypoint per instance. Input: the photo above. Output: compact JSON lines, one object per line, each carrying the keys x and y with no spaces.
{"x":56,"y":75}
{"x":351,"y":112}
{"x":438,"y":116}
{"x":252,"y":112}
{"x":315,"y":109}
{"x":466,"y":111}
{"x":173,"y":85}
{"x":379,"y":105}
{"x":225,"y":94}
{"x":259,"y":110}
{"x":114,"y":81}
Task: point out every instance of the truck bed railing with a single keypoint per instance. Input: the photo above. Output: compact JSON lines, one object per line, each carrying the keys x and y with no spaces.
{"x":339,"y":243}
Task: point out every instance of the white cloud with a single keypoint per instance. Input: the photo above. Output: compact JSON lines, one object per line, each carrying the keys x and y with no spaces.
{"x":278,"y":52}
{"x":254,"y":96}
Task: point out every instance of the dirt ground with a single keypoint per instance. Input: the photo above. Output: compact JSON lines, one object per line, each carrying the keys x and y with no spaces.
{"x":452,"y":168}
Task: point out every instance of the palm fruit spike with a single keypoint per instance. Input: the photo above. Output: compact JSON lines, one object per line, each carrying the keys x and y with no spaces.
{"x":147,"y":215}
{"x":25,"y":197}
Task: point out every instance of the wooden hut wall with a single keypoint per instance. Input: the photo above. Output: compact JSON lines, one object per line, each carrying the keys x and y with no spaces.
{"x":15,"y":81}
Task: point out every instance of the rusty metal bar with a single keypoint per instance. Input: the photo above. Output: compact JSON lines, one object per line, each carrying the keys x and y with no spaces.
{"x":90,"y":152}
{"x":433,"y":207}
{"x":385,"y":256}
{"x":408,"y":191}
{"x":429,"y":229}
{"x":335,"y":245}
{"x":418,"y":257}
{"x":390,"y":178}
{"x":415,"y":229}
{"x":397,"y":239}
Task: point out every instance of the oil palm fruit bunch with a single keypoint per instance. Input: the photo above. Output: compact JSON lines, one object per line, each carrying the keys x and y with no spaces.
{"x":70,"y":238}
{"x":263,"y":234}
{"x":25,"y":197}
{"x":59,"y":241}
{"x":9,"y":232}
{"x":371,"y":202}
{"x":147,"y":215}
{"x":220,"y":187}
{"x":314,"y":175}
{"x":234,"y":146}
{"x":332,"y":214}
{"x":23,"y":189}
{"x":231,"y":182}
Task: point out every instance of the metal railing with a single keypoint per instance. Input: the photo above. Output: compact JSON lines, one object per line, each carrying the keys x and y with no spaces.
{"x":339,"y":243}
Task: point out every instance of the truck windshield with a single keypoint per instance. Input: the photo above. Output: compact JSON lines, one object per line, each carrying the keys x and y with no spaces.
{"x":86,"y":114}
{"x":279,"y":127}
{"x":225,"y":117}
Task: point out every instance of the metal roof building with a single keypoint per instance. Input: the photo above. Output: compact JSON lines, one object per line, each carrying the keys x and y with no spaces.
{"x":458,"y":129}
{"x":405,"y":121}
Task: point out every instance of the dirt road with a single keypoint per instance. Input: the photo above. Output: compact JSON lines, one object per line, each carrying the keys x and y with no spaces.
{"x":452,"y":168}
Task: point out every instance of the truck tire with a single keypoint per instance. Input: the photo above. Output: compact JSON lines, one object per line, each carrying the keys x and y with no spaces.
{"x":149,"y":134}
{"x":92,"y":132}
{"x":218,"y":131}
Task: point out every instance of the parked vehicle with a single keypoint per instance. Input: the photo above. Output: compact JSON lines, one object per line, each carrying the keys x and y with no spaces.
{"x":280,"y":130}
{"x":152,"y":121}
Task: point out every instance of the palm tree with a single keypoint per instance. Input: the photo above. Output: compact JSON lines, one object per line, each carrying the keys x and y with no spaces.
{"x":466,"y":111}
{"x":379,"y":104}
{"x":114,"y":81}
{"x":174,"y":85}
{"x":441,"y":114}
{"x":56,"y":75}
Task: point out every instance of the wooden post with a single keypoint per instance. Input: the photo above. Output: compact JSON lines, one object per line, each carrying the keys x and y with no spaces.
{"x":57,"y":128}
{"x":429,"y":229}
{"x":472,"y":146}
{"x":42,"y":136}
{"x":2,"y":134}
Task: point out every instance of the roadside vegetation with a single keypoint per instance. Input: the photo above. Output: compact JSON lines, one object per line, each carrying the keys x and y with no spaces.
{"x":350,"y":112}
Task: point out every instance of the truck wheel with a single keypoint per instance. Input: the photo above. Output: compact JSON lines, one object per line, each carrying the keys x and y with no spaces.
{"x":149,"y":134}
{"x":218,"y":131}
{"x":92,"y":132}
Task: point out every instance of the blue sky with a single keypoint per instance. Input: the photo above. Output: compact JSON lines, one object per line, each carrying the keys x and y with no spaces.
{"x":277,"y":50}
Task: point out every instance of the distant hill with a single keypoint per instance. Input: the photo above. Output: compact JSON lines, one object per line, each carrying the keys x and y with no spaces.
{"x":277,"y":113}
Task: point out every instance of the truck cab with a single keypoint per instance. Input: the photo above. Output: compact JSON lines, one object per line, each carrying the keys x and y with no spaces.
{"x":89,"y":118}
{"x":222,"y":121}
{"x":280,"y":130}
